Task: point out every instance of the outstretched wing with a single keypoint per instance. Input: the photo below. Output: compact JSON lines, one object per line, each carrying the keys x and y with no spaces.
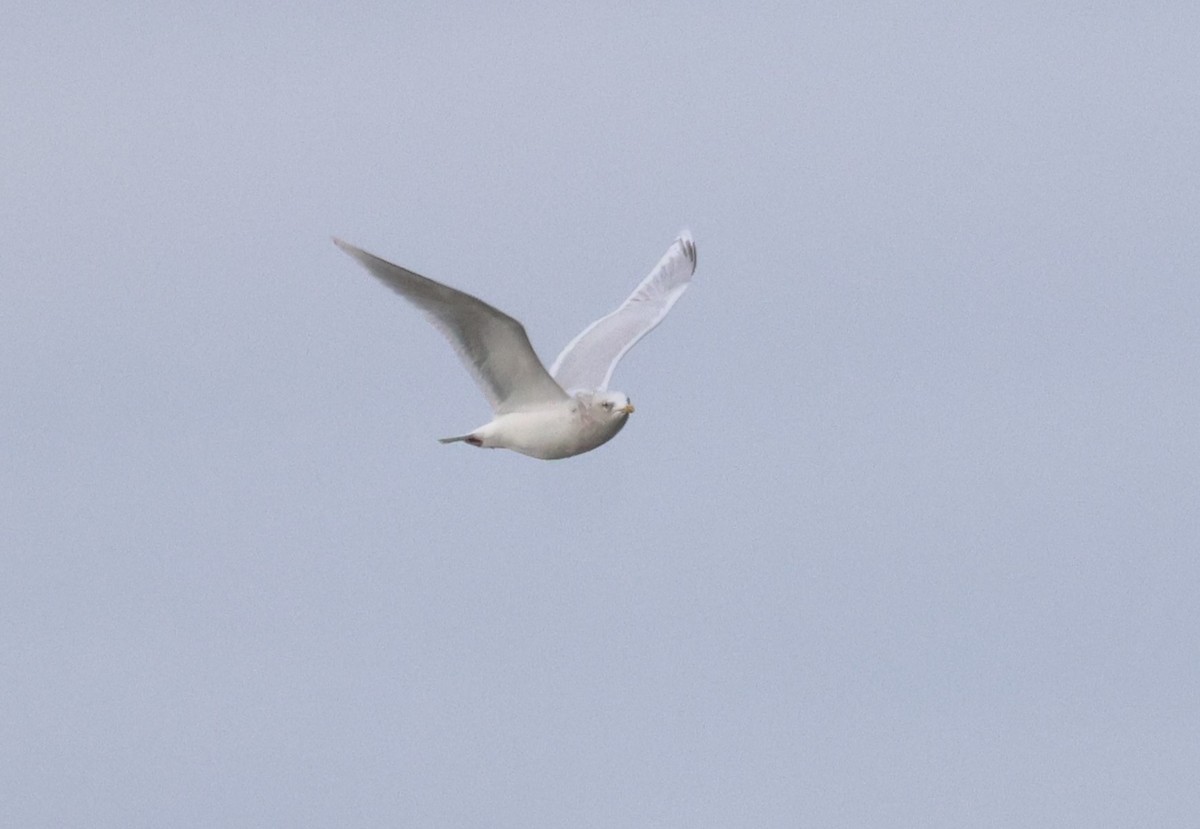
{"x":491,"y":344}
{"x":588,"y":360}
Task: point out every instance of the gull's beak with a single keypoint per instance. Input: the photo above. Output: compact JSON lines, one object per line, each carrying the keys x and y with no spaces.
{"x":628,"y":409}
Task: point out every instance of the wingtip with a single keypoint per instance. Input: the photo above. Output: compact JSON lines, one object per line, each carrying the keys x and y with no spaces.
{"x":347,"y":248}
{"x":688,"y":244}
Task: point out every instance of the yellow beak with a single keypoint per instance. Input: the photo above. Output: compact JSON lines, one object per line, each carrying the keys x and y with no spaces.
{"x":628,"y":409}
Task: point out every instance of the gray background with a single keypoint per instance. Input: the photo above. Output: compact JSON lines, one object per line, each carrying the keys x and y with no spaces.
{"x":903,"y":533}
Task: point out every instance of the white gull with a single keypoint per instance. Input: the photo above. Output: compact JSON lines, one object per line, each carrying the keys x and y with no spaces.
{"x":553,"y":414}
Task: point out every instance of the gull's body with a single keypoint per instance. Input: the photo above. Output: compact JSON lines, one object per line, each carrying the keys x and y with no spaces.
{"x":557,"y":430}
{"x":553,"y":414}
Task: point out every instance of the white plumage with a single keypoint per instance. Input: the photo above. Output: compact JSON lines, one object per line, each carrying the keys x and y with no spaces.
{"x":588,"y":360}
{"x":535,"y":414}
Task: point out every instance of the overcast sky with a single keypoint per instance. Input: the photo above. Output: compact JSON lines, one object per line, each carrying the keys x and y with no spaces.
{"x":904,"y":531}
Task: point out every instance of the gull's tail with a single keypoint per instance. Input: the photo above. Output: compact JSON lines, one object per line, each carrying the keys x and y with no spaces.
{"x":471,"y":439}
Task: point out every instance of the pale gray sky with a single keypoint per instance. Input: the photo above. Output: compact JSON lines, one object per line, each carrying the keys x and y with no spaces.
{"x":904,"y":531}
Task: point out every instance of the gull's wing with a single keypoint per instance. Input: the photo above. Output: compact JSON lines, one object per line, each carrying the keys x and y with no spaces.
{"x":492,"y":345}
{"x":588,"y":360}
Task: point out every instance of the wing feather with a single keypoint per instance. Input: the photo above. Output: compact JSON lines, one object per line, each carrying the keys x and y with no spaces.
{"x":588,"y":360}
{"x":492,"y":345}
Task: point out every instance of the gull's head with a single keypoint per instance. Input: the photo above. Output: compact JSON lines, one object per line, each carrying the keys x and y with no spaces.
{"x":610,"y":405}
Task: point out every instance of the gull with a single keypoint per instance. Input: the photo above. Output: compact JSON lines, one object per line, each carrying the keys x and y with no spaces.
{"x":553,"y":414}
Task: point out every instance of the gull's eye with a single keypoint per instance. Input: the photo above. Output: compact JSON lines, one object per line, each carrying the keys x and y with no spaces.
{"x":608,"y":405}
